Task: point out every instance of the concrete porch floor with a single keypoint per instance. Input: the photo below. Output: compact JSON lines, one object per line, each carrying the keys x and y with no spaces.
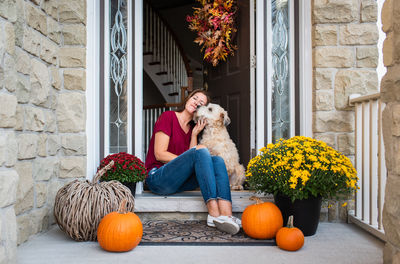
{"x":333,"y":243}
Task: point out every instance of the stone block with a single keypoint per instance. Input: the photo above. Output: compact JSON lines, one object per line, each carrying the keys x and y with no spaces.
{"x":50,"y":122}
{"x":10,"y":74}
{"x":8,"y":148}
{"x":25,"y":195}
{"x":27,"y":146}
{"x":391,"y":254}
{"x":335,"y":121}
{"x":37,"y":2}
{"x":42,"y":145}
{"x":46,"y":168}
{"x":53,"y":144}
{"x":23,"y":88}
{"x":34,"y":119}
{"x":19,"y":117}
{"x":23,"y":62}
{"x":8,"y":10}
{"x":395,"y":119}
{"x":72,"y":11}
{"x":51,"y":8}
{"x":390,"y":85}
{"x":73,"y":145}
{"x":40,"y":83}
{"x":41,"y":194}
{"x":333,"y":57}
{"x":54,"y":30}
{"x":358,"y":34}
{"x":335,"y":11}
{"x":8,"y":187}
{"x":71,"y":112}
{"x":31,"y":41}
{"x":391,"y":209}
{"x":349,"y":82}
{"x":9,"y":235}
{"x":19,"y":25}
{"x":35,"y":18}
{"x":367,"y":57}
{"x":73,"y":167}
{"x":55,"y":78}
{"x":346,"y":144}
{"x":8,"y":110}
{"x":75,"y":79}
{"x":323,"y":100}
{"x":387,"y":15}
{"x":391,"y":55}
{"x":32,"y":223}
{"x":74,"y":34}
{"x":49,"y":51}
{"x":72,"y":57}
{"x":1,"y":73}
{"x":369,"y":11}
{"x":327,"y":138}
{"x":325,"y":35}
{"x":9,"y":38}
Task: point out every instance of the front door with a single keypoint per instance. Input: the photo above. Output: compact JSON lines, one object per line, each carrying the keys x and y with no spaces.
{"x":229,"y":84}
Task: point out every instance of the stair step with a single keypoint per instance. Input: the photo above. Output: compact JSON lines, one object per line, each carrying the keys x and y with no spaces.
{"x":162,"y":73}
{"x":199,"y":69}
{"x":154,"y":63}
{"x":173,"y":94}
{"x":148,"y":53}
{"x":189,"y":202}
{"x":168,"y":83}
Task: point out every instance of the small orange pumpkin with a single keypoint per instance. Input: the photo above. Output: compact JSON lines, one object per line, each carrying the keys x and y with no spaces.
{"x":261,"y":220}
{"x":290,"y":238}
{"x":120,"y":231}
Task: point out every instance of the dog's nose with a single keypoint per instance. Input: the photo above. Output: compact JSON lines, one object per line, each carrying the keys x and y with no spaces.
{"x":197,"y":107}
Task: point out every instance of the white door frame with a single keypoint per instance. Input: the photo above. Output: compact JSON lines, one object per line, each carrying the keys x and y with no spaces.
{"x":258,"y":96}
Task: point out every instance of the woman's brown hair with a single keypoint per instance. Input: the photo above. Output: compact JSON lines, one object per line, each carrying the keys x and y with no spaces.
{"x":190,"y":95}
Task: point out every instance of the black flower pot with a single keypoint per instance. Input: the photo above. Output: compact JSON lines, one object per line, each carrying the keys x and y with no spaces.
{"x":131,"y":186}
{"x":305,"y":212}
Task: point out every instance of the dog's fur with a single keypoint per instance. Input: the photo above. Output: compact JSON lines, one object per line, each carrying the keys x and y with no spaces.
{"x":216,"y":138}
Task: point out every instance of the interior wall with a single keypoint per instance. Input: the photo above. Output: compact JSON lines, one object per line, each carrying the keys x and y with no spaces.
{"x":151,"y":94}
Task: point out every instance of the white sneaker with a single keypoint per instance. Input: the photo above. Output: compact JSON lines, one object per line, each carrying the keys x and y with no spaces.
{"x":210,"y":220}
{"x":237,"y":221}
{"x":227,"y":224}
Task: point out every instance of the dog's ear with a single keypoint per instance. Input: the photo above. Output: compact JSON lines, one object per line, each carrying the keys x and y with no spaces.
{"x":225,"y":118}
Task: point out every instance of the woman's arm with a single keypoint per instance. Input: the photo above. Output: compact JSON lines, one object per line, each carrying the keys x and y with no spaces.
{"x":196,"y":130}
{"x":161,"y":142}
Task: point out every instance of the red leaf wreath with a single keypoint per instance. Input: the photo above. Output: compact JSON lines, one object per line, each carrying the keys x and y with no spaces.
{"x":214,"y":24}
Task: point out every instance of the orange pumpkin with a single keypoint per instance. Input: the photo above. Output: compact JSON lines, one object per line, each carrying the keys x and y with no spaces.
{"x":261,"y":220}
{"x":290,"y":238}
{"x":120,"y":231}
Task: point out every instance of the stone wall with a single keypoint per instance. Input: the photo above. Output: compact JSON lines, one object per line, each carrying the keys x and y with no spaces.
{"x":345,"y":57}
{"x":390,"y":94}
{"x":42,"y":112}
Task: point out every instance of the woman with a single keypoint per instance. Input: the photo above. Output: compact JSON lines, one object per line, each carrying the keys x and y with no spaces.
{"x":177,"y":163}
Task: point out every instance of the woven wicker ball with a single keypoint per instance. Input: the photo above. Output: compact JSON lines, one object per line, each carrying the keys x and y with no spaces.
{"x":80,"y":205}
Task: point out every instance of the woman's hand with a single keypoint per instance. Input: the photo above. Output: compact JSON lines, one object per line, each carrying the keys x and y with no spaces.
{"x":199,"y":127}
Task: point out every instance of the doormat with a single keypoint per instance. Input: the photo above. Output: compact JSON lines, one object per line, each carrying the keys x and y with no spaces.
{"x":194,"y":233}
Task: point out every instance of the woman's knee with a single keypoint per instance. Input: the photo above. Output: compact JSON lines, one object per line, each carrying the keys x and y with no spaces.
{"x":218,"y":160}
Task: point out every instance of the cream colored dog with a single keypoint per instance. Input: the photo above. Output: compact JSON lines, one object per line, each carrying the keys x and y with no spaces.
{"x":216,"y":138}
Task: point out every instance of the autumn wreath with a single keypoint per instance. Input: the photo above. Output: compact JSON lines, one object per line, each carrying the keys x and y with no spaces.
{"x":214,"y":24}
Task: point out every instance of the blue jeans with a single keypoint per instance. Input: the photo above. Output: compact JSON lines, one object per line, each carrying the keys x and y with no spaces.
{"x":191,"y":169}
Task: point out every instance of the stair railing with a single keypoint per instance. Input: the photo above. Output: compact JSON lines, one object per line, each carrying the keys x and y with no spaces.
{"x":369,"y":163}
{"x":162,"y":44}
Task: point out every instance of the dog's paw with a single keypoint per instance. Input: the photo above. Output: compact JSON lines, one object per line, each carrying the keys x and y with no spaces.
{"x":237,"y":188}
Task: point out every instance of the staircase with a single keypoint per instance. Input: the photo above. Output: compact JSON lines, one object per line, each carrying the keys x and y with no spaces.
{"x":163,"y":58}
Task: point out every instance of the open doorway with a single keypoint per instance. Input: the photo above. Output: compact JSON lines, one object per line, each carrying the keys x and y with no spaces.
{"x":228,"y":83}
